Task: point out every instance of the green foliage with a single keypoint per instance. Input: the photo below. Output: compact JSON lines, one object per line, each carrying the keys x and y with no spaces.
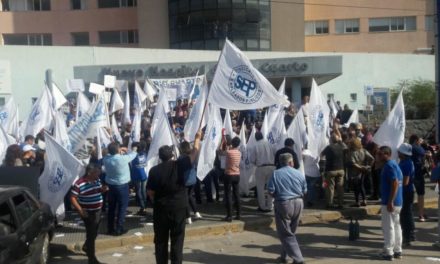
{"x":418,"y":97}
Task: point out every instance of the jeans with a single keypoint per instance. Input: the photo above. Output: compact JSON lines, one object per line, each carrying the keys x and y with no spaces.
{"x":407,"y":217}
{"x":117,"y":199}
{"x":141,"y":193}
{"x":191,"y":202}
{"x":232,"y":181}
{"x":392,"y":232}
{"x":311,"y":188}
{"x":358,"y":187}
{"x":91,"y":223}
{"x":169,"y":224}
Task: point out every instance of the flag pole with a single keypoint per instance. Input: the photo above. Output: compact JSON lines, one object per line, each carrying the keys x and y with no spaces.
{"x":209,"y":90}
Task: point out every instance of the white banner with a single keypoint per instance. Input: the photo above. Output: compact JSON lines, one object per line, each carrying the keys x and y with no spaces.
{"x":75,"y":85}
{"x":41,"y":115}
{"x":182,"y":86}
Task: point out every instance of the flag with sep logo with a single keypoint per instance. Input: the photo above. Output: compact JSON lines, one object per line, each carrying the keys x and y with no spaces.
{"x":237,"y":85}
{"x":61,"y":168}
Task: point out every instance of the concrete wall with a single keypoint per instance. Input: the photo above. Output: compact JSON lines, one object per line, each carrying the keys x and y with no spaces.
{"x":287,"y":18}
{"x":153,"y":24}
{"x":28,"y":65}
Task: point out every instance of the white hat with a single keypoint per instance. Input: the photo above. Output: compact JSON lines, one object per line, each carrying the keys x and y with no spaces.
{"x":28,"y":148}
{"x":405,"y":149}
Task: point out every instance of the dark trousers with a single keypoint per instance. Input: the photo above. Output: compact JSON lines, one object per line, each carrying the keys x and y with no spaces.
{"x":117,"y":206}
{"x":232,"y":181}
{"x":212,"y":177}
{"x":91,"y":222}
{"x":191,"y":201}
{"x":169,"y":224}
{"x":406,"y":217}
{"x":375,"y":179}
{"x":358,"y":186}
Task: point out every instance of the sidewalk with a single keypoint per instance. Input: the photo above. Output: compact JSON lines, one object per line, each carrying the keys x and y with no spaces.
{"x":71,"y":236}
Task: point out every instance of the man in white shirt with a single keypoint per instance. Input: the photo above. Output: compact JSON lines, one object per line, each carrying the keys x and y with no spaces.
{"x":262,"y":157}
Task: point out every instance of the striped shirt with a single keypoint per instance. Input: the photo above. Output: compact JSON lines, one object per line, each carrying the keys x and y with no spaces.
{"x":89,"y":194}
{"x":233,"y":158}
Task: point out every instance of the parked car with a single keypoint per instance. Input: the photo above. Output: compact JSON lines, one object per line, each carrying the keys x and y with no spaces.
{"x":26,"y":227}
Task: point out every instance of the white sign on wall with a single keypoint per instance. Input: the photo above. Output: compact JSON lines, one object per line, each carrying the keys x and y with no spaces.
{"x":5,"y":77}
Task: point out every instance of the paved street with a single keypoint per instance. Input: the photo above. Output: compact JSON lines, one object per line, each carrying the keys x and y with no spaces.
{"x":320,"y":243}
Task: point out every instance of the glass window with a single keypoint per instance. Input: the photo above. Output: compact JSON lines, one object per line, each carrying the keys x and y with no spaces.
{"x":26,"y":5}
{"x":316,"y":27}
{"x":397,"y":24}
{"x":264,"y":44}
{"x":22,"y":207}
{"x":173,"y":7}
{"x":252,"y":44}
{"x":198,"y":45}
{"x":238,"y":3}
{"x":183,"y":6}
{"x":251,"y":3}
{"x":211,"y":44}
{"x":253,"y":15}
{"x":185,"y":45}
{"x":410,"y":23}
{"x":379,"y":24}
{"x":240,"y":43}
{"x":28,"y":39}
{"x":80,"y":39}
{"x":6,"y":217}
{"x":239,"y":15}
{"x":210,"y":3}
{"x":353,"y":97}
{"x":347,"y":26}
{"x":116,"y":3}
{"x":15,"y":39}
{"x":429,"y":23}
{"x":196,"y":5}
{"x":78,"y":4}
{"x":118,"y":37}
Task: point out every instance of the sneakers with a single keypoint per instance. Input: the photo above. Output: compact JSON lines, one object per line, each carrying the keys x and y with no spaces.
{"x":397,"y":255}
{"x":386,"y":257}
{"x":197,"y":215}
{"x":422,"y":218}
{"x":188,"y":221}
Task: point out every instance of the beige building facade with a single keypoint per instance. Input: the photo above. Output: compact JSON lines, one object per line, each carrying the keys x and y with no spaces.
{"x":398,"y":26}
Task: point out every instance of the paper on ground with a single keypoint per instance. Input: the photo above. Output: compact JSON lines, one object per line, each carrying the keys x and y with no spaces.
{"x":117,"y":255}
{"x":59,"y":235}
{"x":138,"y":247}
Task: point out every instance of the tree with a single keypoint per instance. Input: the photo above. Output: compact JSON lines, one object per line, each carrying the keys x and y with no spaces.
{"x":418,"y":97}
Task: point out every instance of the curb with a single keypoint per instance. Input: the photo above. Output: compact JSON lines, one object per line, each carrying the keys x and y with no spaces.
{"x":222,"y":228}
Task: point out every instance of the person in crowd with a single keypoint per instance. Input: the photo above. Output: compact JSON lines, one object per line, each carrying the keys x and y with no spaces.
{"x":288,"y":187}
{"x":28,"y":155}
{"x":139,"y":176}
{"x":13,"y":156}
{"x":288,"y":148}
{"x":406,"y":214}
{"x":166,"y":188}
{"x":86,"y":197}
{"x":376,"y":169}
{"x":232,"y":178}
{"x":185,"y":151}
{"x":334,"y":170}
{"x":290,"y":115}
{"x":29,"y":140}
{"x":345,"y":114}
{"x":418,"y":155}
{"x":435,"y":177}
{"x":313,"y":176}
{"x":262,"y":156}
{"x":116,"y":164}
{"x":359,"y":163}
{"x":391,"y":202}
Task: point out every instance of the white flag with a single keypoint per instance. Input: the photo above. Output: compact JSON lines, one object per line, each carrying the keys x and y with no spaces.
{"x":250,"y":168}
{"x":238,"y":85}
{"x":391,"y":132}
{"x":88,"y":123}
{"x":126,"y":118}
{"x":115,"y":130}
{"x":193,"y":122}
{"x":41,"y":115}
{"x":277,"y":132}
{"x":5,"y":142}
{"x":333,"y":108}
{"x":246,"y":167}
{"x":298,"y":132}
{"x":60,"y":170}
{"x":139,"y":96}
{"x":210,"y":142}
{"x":227,"y":125}
{"x":14,"y":126}
{"x":149,"y":90}
{"x":7,"y":114}
{"x":58,"y":98}
{"x":135,"y":134}
{"x":265,"y":126}
{"x":162,"y":105}
{"x":82,"y":105}
{"x":163,"y":136}
{"x":103,"y":139}
{"x":318,"y":121}
{"x":116,"y":102}
{"x":354,"y":118}
{"x":60,"y":131}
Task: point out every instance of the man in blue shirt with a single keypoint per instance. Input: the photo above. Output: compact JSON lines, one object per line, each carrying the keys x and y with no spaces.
{"x":391,"y":200}
{"x":117,"y":178}
{"x":288,"y":187}
{"x":406,"y":215}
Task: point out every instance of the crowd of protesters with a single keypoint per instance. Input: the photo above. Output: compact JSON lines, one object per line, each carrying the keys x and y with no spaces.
{"x":351,"y":162}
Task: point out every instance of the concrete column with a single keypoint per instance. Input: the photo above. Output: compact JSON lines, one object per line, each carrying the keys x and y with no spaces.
{"x":295,"y":95}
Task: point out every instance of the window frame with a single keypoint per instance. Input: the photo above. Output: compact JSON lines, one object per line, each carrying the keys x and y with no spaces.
{"x":316,"y":24}
{"x":346,"y":25}
{"x":393,"y":24}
